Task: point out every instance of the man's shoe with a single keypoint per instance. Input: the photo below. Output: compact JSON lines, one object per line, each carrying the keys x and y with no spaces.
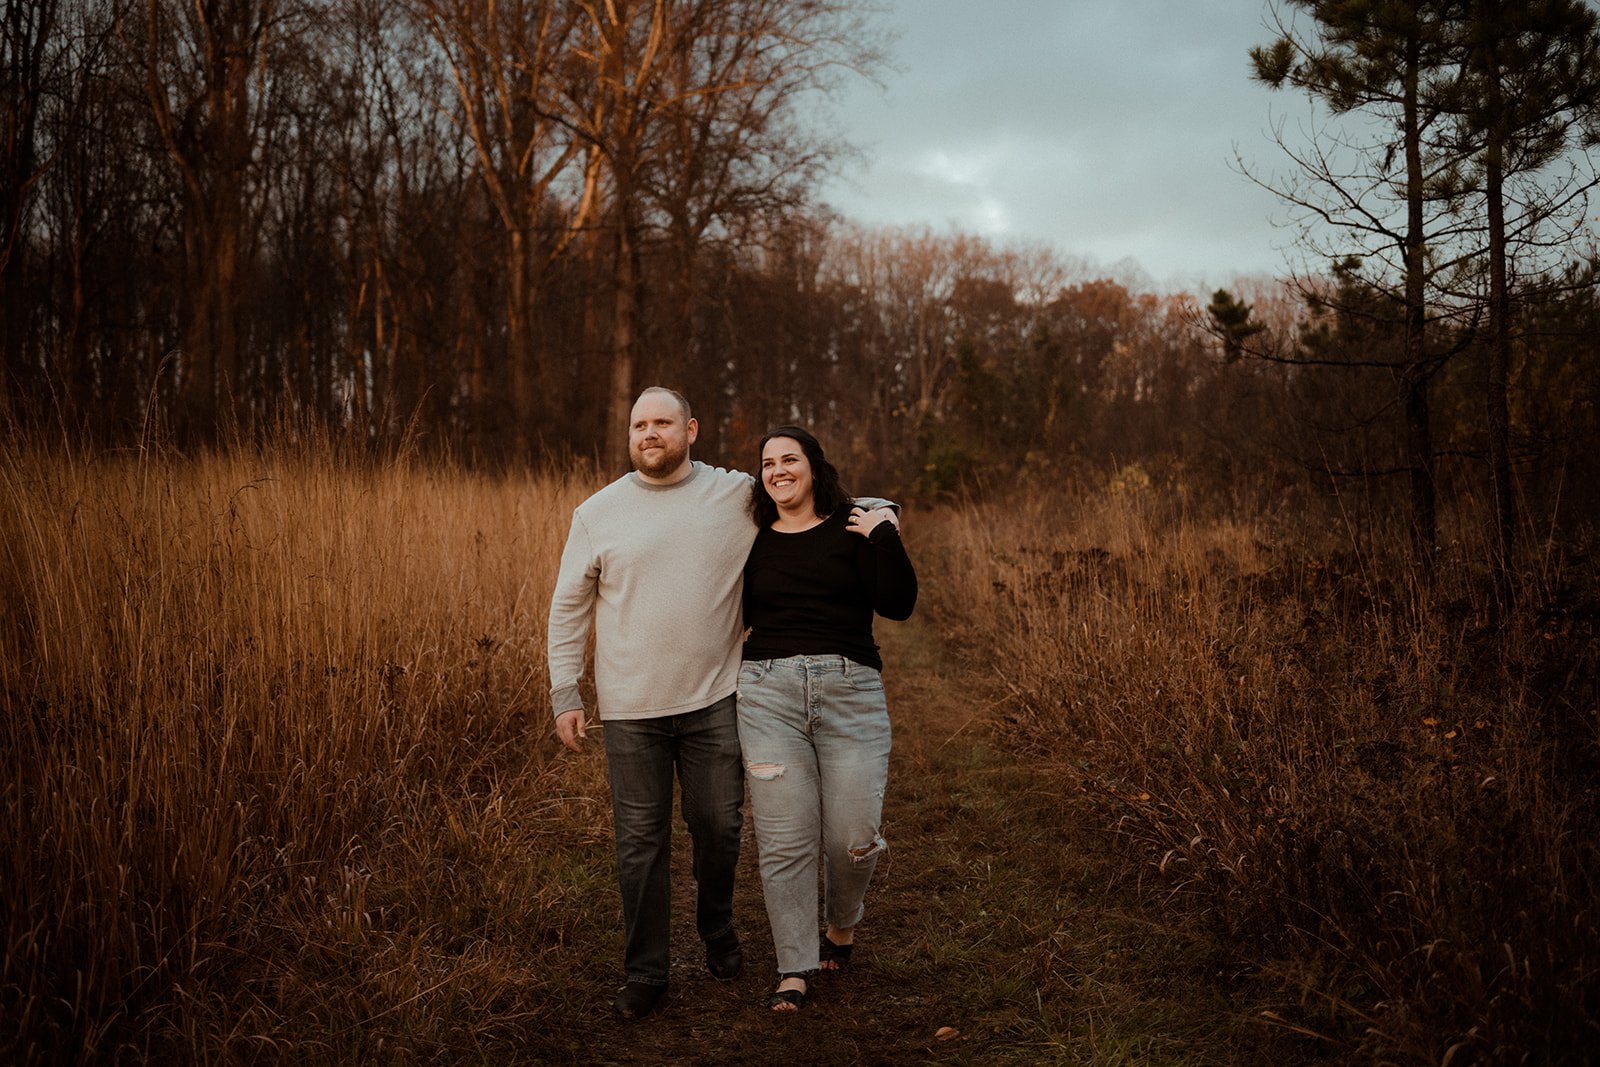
{"x":725,"y":957}
{"x":637,"y":1000}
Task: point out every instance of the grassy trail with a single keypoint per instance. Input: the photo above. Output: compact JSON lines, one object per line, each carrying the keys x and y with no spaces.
{"x":995,"y":914}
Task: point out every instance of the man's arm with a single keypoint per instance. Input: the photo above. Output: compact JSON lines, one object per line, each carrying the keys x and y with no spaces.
{"x":571,"y":619}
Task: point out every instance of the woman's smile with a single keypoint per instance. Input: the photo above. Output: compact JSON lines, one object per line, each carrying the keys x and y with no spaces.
{"x":786,"y":473}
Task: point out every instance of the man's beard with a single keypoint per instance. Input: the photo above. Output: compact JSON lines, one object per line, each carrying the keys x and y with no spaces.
{"x":667,"y":461}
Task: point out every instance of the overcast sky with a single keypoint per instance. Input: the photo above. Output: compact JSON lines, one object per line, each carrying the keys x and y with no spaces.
{"x":1103,"y":128}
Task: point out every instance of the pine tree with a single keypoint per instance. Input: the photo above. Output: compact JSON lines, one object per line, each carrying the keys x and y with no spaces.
{"x":1385,"y":58}
{"x":1527,"y":93}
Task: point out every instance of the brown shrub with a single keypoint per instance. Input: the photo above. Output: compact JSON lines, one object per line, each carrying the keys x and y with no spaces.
{"x":1357,"y":777}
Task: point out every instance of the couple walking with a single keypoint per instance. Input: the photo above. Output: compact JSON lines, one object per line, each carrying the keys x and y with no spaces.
{"x":733,"y":637}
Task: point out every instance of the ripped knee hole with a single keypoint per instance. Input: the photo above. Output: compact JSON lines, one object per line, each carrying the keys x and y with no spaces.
{"x":866,"y":852}
{"x":765,"y":772}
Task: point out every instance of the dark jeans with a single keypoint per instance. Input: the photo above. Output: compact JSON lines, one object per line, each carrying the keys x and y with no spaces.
{"x":641,"y":757}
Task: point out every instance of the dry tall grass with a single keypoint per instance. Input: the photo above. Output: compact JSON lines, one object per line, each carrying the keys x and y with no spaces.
{"x":251,"y":705}
{"x":269,"y":789}
{"x":1371,"y":789}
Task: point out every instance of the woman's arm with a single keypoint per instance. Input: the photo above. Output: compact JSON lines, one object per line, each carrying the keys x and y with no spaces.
{"x":894,"y":580}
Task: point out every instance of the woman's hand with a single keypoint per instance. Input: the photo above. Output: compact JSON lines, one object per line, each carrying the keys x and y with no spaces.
{"x":864,"y":522}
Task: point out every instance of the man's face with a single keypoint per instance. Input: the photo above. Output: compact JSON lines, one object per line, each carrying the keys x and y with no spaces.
{"x":658,"y":436}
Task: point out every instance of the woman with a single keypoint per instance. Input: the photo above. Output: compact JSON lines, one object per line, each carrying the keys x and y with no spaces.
{"x":813,"y":725}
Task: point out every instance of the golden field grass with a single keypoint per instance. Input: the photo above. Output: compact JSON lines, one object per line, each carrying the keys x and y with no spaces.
{"x":278,"y":784}
{"x":253,"y":704}
{"x":1362,"y":782}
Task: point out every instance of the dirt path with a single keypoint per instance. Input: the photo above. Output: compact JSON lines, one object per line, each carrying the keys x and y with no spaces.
{"x":995,"y":914}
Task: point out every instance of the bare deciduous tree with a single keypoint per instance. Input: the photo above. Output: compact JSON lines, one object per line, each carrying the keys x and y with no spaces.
{"x":505,"y":60}
{"x":27,"y":28}
{"x":204,"y":69}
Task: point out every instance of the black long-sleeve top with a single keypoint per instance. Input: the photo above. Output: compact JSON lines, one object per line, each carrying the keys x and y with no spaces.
{"x":813,"y":593}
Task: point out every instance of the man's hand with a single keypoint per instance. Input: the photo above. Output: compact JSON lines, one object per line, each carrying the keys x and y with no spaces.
{"x":571,"y":730}
{"x":864,"y":522}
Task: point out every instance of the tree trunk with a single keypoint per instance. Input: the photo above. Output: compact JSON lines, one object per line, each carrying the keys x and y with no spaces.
{"x":1503,"y":529}
{"x":623,"y":329}
{"x":13,"y":376}
{"x":1415,"y":379}
{"x":211,"y":248}
{"x":196,"y":384}
{"x":1503,"y":532}
{"x":28,"y":26}
{"x":519,"y":391}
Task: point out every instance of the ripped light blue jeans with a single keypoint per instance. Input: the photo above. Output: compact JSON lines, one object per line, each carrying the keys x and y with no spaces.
{"x":814,"y":732}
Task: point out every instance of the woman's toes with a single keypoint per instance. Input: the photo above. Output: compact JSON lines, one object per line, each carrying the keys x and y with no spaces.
{"x":790,"y":994}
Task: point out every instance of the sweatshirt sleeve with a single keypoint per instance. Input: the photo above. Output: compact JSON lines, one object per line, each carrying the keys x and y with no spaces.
{"x":894,"y":592}
{"x":571,"y":618}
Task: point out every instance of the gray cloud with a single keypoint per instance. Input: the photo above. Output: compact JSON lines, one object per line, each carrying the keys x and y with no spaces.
{"x":1105,"y":130}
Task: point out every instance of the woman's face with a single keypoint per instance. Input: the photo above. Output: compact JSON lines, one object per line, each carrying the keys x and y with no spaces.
{"x":786,"y":473}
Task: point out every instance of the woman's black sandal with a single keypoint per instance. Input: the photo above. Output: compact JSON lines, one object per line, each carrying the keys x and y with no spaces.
{"x":830,"y":952}
{"x":795,"y":997}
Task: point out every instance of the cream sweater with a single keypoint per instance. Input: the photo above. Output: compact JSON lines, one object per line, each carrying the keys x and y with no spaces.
{"x":656,"y":571}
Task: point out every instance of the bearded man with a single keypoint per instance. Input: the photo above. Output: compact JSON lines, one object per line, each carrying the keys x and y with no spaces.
{"x":654,"y":565}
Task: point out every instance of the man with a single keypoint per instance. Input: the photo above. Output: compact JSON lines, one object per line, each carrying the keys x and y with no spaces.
{"x":654,"y":564}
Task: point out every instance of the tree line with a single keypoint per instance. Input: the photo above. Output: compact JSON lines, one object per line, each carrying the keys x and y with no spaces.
{"x":484,"y":225}
{"x":475,"y":215}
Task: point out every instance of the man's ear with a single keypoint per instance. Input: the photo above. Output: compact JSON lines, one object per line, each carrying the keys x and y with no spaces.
{"x":694,"y":429}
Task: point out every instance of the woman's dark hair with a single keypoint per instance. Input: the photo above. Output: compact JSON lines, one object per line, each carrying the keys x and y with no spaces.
{"x":827,"y":495}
